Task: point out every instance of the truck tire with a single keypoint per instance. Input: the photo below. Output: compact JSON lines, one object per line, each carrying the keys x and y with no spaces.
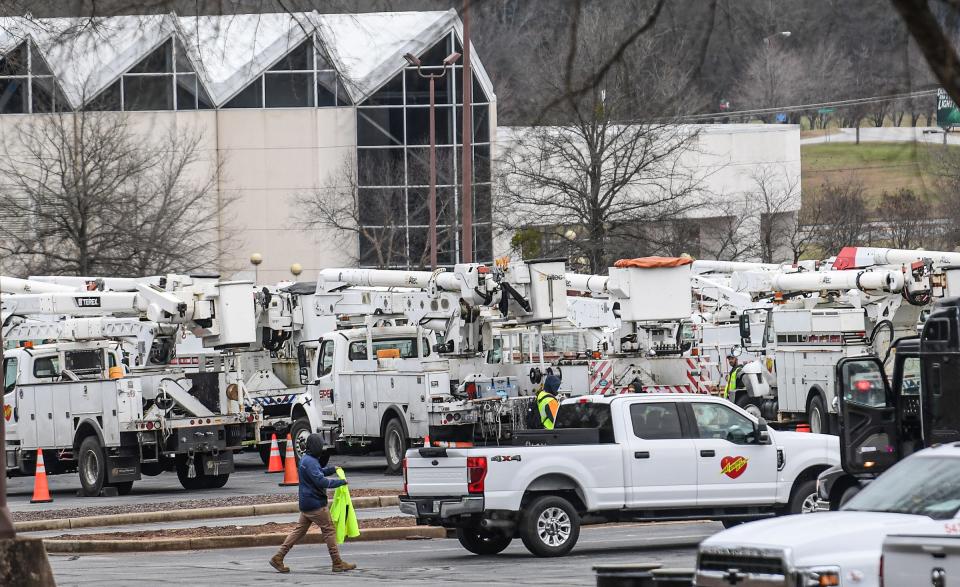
{"x":818,"y":416}
{"x":394,"y":446}
{"x":92,"y":466}
{"x":848,"y":494}
{"x":215,"y":481}
{"x":483,"y":542}
{"x":750,"y":405}
{"x":123,"y":487}
{"x":550,"y":526}
{"x":803,"y":499}
{"x":183,"y":470}
{"x":299,"y":432}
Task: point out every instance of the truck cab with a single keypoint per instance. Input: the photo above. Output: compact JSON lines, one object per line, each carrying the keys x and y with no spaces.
{"x":885,"y":419}
{"x":370,"y":388}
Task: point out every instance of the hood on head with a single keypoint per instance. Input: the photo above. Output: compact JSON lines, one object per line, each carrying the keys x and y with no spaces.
{"x":315,"y":445}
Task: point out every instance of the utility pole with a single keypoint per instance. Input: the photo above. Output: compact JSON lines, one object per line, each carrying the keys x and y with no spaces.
{"x":433,"y":77}
{"x":467,"y":161}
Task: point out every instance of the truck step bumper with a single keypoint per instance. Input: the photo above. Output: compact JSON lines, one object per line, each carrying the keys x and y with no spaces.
{"x":434,"y":510}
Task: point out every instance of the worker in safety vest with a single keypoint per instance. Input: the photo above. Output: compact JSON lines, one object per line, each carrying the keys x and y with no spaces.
{"x":547,"y":403}
{"x":733,"y":379}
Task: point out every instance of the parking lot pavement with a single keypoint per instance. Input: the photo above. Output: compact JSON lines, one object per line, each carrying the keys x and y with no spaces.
{"x":414,"y":563}
{"x":248,"y":479}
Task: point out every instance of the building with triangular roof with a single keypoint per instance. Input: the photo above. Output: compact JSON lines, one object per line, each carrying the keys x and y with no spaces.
{"x":288,"y":104}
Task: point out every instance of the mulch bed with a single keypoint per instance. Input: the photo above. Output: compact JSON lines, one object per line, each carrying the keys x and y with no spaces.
{"x":207,"y":531}
{"x":184,"y":504}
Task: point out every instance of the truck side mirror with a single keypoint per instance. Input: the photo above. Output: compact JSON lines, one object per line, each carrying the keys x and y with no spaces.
{"x":763,"y":432}
{"x":304,"y":364}
{"x":745,"y":328}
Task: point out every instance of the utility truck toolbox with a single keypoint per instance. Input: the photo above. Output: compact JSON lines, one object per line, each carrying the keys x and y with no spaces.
{"x":617,"y":458}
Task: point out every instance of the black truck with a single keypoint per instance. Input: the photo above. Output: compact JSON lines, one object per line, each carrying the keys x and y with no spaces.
{"x":884,"y":420}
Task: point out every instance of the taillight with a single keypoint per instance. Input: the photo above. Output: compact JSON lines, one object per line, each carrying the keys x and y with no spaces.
{"x":405,"y":492}
{"x":471,"y":389}
{"x":476,"y":473}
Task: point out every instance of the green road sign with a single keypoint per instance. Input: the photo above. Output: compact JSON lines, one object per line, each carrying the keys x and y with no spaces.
{"x":947,"y":114}
{"x":826,"y":110}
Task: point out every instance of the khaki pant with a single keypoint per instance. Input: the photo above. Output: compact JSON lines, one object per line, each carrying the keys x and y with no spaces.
{"x":322,"y":519}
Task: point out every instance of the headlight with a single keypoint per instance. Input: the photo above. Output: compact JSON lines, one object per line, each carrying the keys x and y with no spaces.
{"x":821,"y":577}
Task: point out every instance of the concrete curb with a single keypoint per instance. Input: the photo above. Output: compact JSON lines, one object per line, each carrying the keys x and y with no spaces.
{"x":240,"y":511}
{"x":211,"y":542}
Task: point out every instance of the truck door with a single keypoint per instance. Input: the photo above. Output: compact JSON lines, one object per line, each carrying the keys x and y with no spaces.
{"x":10,"y":365}
{"x":939,"y":345}
{"x":868,"y":417}
{"x":659,"y":454}
{"x":732,"y":467}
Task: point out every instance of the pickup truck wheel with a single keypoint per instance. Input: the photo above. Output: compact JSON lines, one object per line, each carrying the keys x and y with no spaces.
{"x":299,"y":432}
{"x":848,"y":495}
{"x":92,"y":466}
{"x":483,"y":542}
{"x":394,"y":446}
{"x":550,"y":526}
{"x":818,"y":417}
{"x":804,"y":498}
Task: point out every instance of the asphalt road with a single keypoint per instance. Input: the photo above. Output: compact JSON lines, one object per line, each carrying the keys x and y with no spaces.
{"x":248,"y":479}
{"x":886,"y":134}
{"x":419,"y":563}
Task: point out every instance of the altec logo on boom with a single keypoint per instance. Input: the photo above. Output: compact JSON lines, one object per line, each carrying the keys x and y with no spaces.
{"x":733,"y":467}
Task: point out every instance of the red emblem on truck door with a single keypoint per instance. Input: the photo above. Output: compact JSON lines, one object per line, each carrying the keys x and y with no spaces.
{"x":733,"y":467}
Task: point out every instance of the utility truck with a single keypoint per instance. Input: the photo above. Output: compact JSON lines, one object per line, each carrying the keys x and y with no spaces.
{"x":617,"y":458}
{"x":817,"y":319}
{"x":94,"y":406}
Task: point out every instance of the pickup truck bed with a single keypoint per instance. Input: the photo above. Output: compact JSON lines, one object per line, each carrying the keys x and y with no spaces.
{"x":648,"y":457}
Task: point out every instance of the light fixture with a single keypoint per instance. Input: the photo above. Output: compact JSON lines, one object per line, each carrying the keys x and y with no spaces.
{"x":412,"y":59}
{"x":451,"y":59}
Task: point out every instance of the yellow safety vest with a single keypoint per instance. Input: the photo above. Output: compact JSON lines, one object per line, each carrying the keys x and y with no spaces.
{"x":342,"y":514}
{"x":731,"y":382}
{"x":548,"y":406}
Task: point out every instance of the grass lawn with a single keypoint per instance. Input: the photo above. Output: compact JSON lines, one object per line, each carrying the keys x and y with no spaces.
{"x":880,"y":166}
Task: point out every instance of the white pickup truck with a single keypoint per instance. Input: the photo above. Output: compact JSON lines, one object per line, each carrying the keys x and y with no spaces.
{"x":626,"y":457}
{"x":919,"y":496}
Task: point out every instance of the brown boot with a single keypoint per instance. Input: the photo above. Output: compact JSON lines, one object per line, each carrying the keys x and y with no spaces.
{"x":340,"y":565}
{"x":277,"y":563}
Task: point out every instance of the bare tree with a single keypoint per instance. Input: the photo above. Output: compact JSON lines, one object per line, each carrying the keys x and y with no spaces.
{"x":907,"y":220}
{"x":775,"y":198}
{"x":843,"y":215}
{"x":84,"y":194}
{"x":774,"y":77}
{"x":374,"y":220}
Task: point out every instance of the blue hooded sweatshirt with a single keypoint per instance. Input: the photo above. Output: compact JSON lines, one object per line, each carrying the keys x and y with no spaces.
{"x":314,"y":482}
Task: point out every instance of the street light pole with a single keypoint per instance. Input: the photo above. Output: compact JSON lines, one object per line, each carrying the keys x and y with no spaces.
{"x":433,"y":77}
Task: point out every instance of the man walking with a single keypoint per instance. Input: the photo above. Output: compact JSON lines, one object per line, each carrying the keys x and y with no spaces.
{"x":314,"y":481}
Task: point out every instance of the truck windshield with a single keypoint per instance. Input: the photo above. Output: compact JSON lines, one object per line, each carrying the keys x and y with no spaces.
{"x":587,"y":415}
{"x":407,"y":347}
{"x":923,"y":486}
{"x":9,"y":374}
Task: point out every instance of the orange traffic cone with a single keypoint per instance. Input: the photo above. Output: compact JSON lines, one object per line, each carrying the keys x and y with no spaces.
{"x":275,"y":464}
{"x":41,"y":491}
{"x":803,"y":427}
{"x":290,"y":476}
{"x":426,"y":440}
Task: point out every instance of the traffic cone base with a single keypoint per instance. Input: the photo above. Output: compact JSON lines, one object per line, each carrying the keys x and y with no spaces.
{"x":290,"y":476}
{"x":274,"y":464}
{"x":41,"y":490}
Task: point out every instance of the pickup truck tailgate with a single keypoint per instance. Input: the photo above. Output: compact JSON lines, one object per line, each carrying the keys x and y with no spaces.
{"x":431,"y":476}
